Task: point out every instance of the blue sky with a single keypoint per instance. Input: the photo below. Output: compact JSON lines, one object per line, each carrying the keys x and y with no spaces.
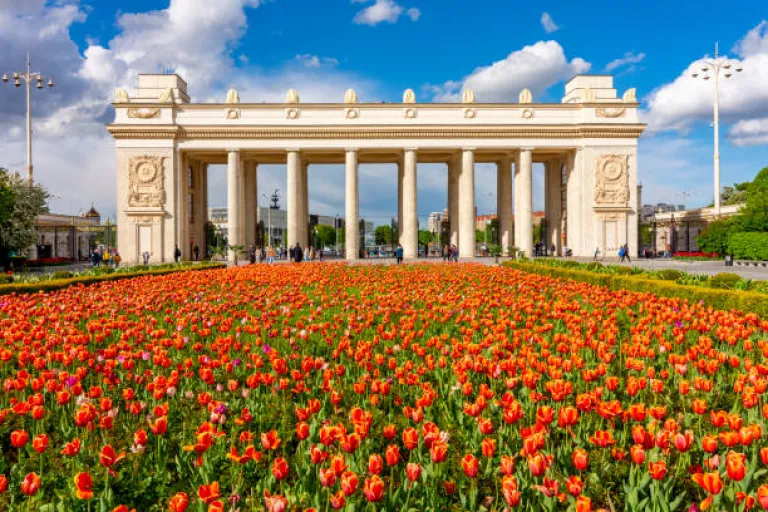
{"x":381,"y":47}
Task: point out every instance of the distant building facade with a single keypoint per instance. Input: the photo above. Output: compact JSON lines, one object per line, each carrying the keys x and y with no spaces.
{"x":71,"y":237}
{"x":678,"y":229}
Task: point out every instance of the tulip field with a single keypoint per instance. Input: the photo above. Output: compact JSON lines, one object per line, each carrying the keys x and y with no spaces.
{"x":431,"y":387}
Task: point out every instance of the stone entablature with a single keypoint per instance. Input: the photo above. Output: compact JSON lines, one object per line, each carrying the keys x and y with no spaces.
{"x":588,"y":144}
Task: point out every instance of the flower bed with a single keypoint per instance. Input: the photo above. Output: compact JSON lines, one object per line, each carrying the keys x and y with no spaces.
{"x":428,"y":387}
{"x":48,"y":262}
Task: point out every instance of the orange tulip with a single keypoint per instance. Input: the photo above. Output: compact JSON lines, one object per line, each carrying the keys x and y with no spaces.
{"x":19,"y":438}
{"x":469,"y":465}
{"x":280,"y":468}
{"x":40,"y":443}
{"x":583,"y":504}
{"x":580,"y":459}
{"x":373,"y":489}
{"x":413,"y":471}
{"x":179,"y":502}
{"x":349,"y":481}
{"x":710,"y":482}
{"x":762,"y":496}
{"x":375,"y":464}
{"x":3,"y":484}
{"x":735,"y":466}
{"x":392,"y":455}
{"x":657,"y":469}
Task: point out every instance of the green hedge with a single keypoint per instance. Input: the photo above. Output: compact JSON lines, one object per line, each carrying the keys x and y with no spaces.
{"x":719,"y":299}
{"x":749,"y":246}
{"x":57,"y":284}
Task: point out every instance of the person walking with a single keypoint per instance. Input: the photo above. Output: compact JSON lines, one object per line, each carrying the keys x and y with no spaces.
{"x":626,"y":252}
{"x":597,"y":253}
{"x":176,"y":253}
{"x":455,"y":253}
{"x":196,"y":251}
{"x":117,"y":259}
{"x":298,"y":255}
{"x":270,"y":254}
{"x":311,"y":253}
{"x":146,"y":256}
{"x":399,"y":254}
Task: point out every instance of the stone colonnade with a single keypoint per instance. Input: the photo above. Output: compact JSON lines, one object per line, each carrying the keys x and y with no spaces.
{"x":242,"y":187}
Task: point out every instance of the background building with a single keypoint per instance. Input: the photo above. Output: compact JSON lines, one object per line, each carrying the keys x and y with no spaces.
{"x":71,"y":237}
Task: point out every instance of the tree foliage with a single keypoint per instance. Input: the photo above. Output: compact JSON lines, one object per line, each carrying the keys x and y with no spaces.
{"x":754,"y":216}
{"x":20,"y":205}
{"x":384,"y":235}
{"x":425,"y":236}
{"x":714,"y":238}
{"x":326,"y":235}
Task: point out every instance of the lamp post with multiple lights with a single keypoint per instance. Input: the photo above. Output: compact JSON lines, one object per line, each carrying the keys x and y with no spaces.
{"x":28,"y":77}
{"x":713,"y":68}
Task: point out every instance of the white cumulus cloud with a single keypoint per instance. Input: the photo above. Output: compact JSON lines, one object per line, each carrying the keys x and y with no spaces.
{"x":536,"y":67}
{"x":381,"y":11}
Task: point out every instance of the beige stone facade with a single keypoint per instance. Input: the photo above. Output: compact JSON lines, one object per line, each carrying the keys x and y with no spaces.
{"x":587,"y":143}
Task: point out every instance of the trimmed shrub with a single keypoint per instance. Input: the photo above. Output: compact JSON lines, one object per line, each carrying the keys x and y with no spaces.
{"x":622,"y":271}
{"x":669,"y":274}
{"x":61,"y":274}
{"x":6,"y":278}
{"x":594,"y":266}
{"x":717,"y":298}
{"x":724,"y":281}
{"x":57,"y":284}
{"x":748,"y":246}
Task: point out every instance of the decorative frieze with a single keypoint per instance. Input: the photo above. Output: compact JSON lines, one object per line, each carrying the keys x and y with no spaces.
{"x":145,"y":181}
{"x":612,"y":180}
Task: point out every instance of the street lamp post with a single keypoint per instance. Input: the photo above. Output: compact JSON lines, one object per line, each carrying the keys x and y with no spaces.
{"x":711,"y":68}
{"x":28,"y":76}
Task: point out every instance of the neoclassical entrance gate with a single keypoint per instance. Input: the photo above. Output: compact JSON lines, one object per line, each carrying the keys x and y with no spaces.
{"x":587,"y":143}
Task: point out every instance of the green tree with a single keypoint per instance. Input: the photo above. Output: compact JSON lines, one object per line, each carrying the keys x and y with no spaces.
{"x":424,"y":237}
{"x":754,"y":216}
{"x":714,"y":238}
{"x":326,"y":235}
{"x":383,"y":234}
{"x":20,"y":205}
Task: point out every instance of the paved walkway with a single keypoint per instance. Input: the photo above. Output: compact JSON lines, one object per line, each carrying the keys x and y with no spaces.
{"x":692,"y":267}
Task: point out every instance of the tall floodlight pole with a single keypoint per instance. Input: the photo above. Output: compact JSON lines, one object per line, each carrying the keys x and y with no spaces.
{"x":28,"y":77}
{"x":711,"y":68}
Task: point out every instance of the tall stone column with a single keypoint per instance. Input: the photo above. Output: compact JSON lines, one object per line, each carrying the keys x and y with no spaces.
{"x":526,"y":201}
{"x":454,"y":171}
{"x":467,"y":204}
{"x":234,"y":203}
{"x":410,"y":236}
{"x":294,"y":177}
{"x":304,"y":205}
{"x":400,"y":200}
{"x":504,"y":206}
{"x":250,"y":198}
{"x":351,"y":207}
{"x":183,"y":208}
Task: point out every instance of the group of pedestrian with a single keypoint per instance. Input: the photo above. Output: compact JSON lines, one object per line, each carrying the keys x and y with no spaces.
{"x":451,"y":253}
{"x":106,"y":257}
{"x":308,"y":254}
{"x":624,"y":253}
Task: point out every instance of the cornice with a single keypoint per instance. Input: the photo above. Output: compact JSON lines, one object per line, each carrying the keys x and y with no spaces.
{"x":343,"y":106}
{"x":585,"y":131}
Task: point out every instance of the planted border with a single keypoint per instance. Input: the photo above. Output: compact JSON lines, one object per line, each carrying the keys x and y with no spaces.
{"x":720,"y":299}
{"x":58,"y":284}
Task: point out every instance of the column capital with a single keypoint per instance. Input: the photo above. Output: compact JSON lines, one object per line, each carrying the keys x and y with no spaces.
{"x":351,"y":150}
{"x":233,"y":150}
{"x":469,"y":149}
{"x":292,"y":150}
{"x":405,"y":150}
{"x":527,"y":148}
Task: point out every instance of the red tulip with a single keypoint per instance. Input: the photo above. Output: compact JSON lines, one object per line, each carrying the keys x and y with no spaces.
{"x":3,"y":484}
{"x":413,"y":471}
{"x":349,"y":483}
{"x":735,"y":466}
{"x":392,"y":455}
{"x":657,"y":469}
{"x":280,"y":468}
{"x":375,"y":464}
{"x":83,"y":486}
{"x":275,"y":503}
{"x":209,"y":493}
{"x":762,"y":496}
{"x":30,"y":484}
{"x":710,"y":482}
{"x":40,"y":443}
{"x":19,"y":438}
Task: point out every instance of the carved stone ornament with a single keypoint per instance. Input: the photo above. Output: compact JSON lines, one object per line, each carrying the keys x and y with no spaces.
{"x":470,"y":113}
{"x":630,"y":96}
{"x":121,"y":96}
{"x":232,"y":113}
{"x":292,"y":113}
{"x":527,"y":113}
{"x":292,"y":96}
{"x":468,"y":96}
{"x":409,"y":96}
{"x":145,"y":181}
{"x":610,"y":112}
{"x":232,"y":96}
{"x":144,"y":219}
{"x":166,"y":96}
{"x":350,"y":97}
{"x":410,"y":113}
{"x":140,"y":113}
{"x":525,"y":96}
{"x":352,"y":113}
{"x":612,"y":180}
